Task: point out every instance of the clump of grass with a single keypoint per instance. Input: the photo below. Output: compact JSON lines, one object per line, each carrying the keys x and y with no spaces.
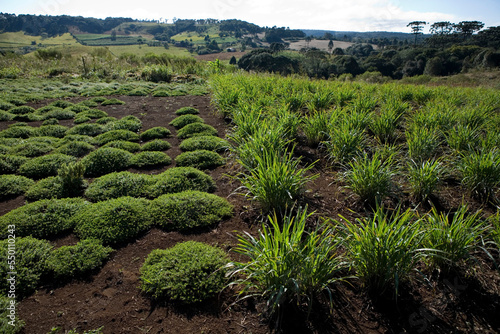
{"x":22,"y":110}
{"x":424,"y":178}
{"x":382,"y":249}
{"x":31,"y":149}
{"x":187,"y":111}
{"x":93,"y":113}
{"x":150,"y":159}
{"x":50,"y":121}
{"x":422,"y":143}
{"x":71,"y":176}
{"x":463,"y":138}
{"x":196,"y":129}
{"x":201,"y":159}
{"x":112,"y":101}
{"x":119,"y":184}
{"x":61,"y":104}
{"x":287,"y":264}
{"x":370,"y":178}
{"x":86,"y":129}
{"x":81,"y":119}
{"x":344,"y":143}
{"x":179,"y":179}
{"x":190,"y":272}
{"x":130,"y":123}
{"x":14,"y":185}
{"x":480,"y":173}
{"x":183,"y":120}
{"x":113,"y":135}
{"x":75,"y":148}
{"x":189,"y":209}
{"x":55,"y":130}
{"x":157,"y":132}
{"x":9,"y":164}
{"x":106,"y":160}
{"x":18,"y":132}
{"x":44,"y":166}
{"x":124,"y":145}
{"x":316,"y":127}
{"x":156,"y":145}
{"x":210,"y":143}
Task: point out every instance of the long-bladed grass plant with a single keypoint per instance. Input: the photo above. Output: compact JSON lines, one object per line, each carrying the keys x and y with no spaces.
{"x":277,"y":180}
{"x":382,"y":249}
{"x":452,"y":239}
{"x":424,"y":178}
{"x":384,"y":125}
{"x":480,"y":173}
{"x":370,"y":177}
{"x":344,"y":143}
{"x":422,"y":143}
{"x":462,"y":138}
{"x":287,"y":265}
{"x":315,"y":126}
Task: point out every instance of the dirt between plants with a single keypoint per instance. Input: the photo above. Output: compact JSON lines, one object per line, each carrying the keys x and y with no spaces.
{"x":110,"y":297}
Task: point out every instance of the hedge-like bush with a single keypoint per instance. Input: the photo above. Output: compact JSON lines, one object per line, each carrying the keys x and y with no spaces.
{"x":189,"y":272}
{"x":156,"y":145}
{"x":130,"y":123}
{"x":50,"y":121}
{"x":157,"y":132}
{"x":209,"y":143}
{"x":88,"y":103}
{"x":47,"y":188}
{"x":182,"y":121}
{"x":124,"y":145}
{"x":112,"y":101}
{"x":6,"y":317}
{"x":14,"y":185}
{"x":86,"y":129}
{"x":113,"y":222}
{"x":81,"y":120}
{"x":42,"y":219}
{"x":61,"y":104}
{"x":150,"y":159}
{"x":119,"y":184}
{"x":93,"y":113}
{"x":74,"y":261}
{"x":106,"y":160}
{"x":22,"y":110}
{"x":44,"y":166}
{"x":187,"y":111}
{"x":178,"y":179}
{"x":60,"y":114}
{"x":115,"y":135}
{"x":9,"y":164}
{"x":57,"y":131}
{"x":31,"y":262}
{"x":105,"y":120}
{"x":189,"y":209}
{"x":75,"y":148}
{"x":31,"y":149}
{"x":201,"y":159}
{"x":72,"y":138}
{"x":196,"y":129}
{"x":18,"y":132}
{"x":5,"y":116}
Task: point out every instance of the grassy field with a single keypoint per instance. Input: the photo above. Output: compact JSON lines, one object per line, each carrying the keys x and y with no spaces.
{"x":142,"y":50}
{"x":19,"y":39}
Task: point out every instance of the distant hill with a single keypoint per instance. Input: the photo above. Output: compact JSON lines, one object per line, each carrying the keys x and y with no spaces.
{"x":352,"y":35}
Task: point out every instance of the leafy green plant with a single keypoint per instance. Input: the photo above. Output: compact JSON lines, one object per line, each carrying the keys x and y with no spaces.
{"x":86,"y":129}
{"x":287,"y":264}
{"x":382,"y":249}
{"x":385,"y":123}
{"x":93,"y":113}
{"x":106,"y":160}
{"x":210,"y":143}
{"x":18,"y":132}
{"x":30,"y":149}
{"x":370,"y":178}
{"x":196,"y":129}
{"x":14,"y":185}
{"x":60,"y":114}
{"x":74,"y":261}
{"x":105,"y":120}
{"x":480,"y":173}
{"x":178,"y":179}
{"x":50,"y":121}
{"x":9,"y":321}
{"x":61,"y":104}
{"x":114,"y":221}
{"x":315,"y":127}
{"x":189,"y":272}
{"x":21,"y":110}
{"x":113,"y":135}
{"x":183,"y":120}
{"x":112,"y":101}
{"x":201,"y":159}
{"x":30,"y":264}
{"x":453,"y":238}
{"x":189,"y":209}
{"x":81,"y":119}
{"x":9,"y":164}
{"x":75,"y":148}
{"x":119,"y":184}
{"x":344,"y":143}
{"x":42,"y":219}
{"x":47,"y":188}
{"x":55,"y":130}
{"x":150,"y":159}
{"x":130,"y":123}
{"x":156,"y":145}
{"x":463,"y":138}
{"x":187,"y":111}
{"x":157,"y":132}
{"x":157,"y":73}
{"x":422,"y":143}
{"x":71,"y":176}
{"x":124,"y":145}
{"x":424,"y":178}
{"x":44,"y":166}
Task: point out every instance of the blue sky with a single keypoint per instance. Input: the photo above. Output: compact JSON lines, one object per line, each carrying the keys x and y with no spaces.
{"x":353,"y":15}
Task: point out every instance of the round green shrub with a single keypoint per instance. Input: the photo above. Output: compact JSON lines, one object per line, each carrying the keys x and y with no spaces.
{"x":21,"y":110}
{"x":182,"y":121}
{"x":119,"y":184}
{"x":57,"y":131}
{"x":78,"y":108}
{"x":93,"y":113}
{"x":31,"y":263}
{"x":88,"y":103}
{"x":150,"y":159}
{"x":14,"y":185}
{"x":106,"y":160}
{"x":47,"y":188}
{"x":112,"y":101}
{"x":201,"y":159}
{"x":105,"y":120}
{"x":187,"y":111}
{"x":4,"y":149}
{"x":71,"y":138}
{"x":46,"y":109}
{"x":5,"y":317}
{"x":9,"y":164}
{"x":196,"y":129}
{"x":157,"y":132}
{"x":75,"y":261}
{"x":189,"y":272}
{"x":4,"y":105}
{"x":9,"y":141}
{"x":42,"y":219}
{"x":18,"y":132}
{"x":130,"y":123}
{"x":60,"y":114}
{"x":81,"y":119}
{"x":50,"y":121}
{"x":114,"y":221}
{"x":189,"y":209}
{"x":86,"y":129}
{"x":178,"y":179}
{"x":124,"y":145}
{"x":61,"y":104}
{"x":31,"y":149}
{"x":5,"y":116}
{"x":156,"y":145}
{"x":141,"y":91}
{"x":209,"y":143}
{"x":115,"y":135}
{"x":44,"y":166}
{"x":16,"y":101}
{"x":98,"y":99}
{"x":75,"y":148}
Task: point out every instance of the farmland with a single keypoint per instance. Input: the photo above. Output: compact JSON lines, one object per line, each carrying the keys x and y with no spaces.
{"x":326,"y":173}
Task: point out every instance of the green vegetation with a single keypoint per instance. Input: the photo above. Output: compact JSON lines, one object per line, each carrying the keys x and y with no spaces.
{"x":481,"y":173}
{"x":119,"y":184}
{"x":9,"y":164}
{"x":86,"y":129}
{"x":201,"y":159}
{"x":187,"y":111}
{"x":5,"y":314}
{"x":14,"y":185}
{"x":157,"y":132}
{"x":45,"y":166}
{"x":183,"y":120}
{"x":150,"y":159}
{"x":106,"y":160}
{"x":156,"y":145}
{"x":209,"y":143}
{"x":189,"y":272}
{"x":196,"y":129}
{"x":75,"y":148}
{"x":115,"y":135}
{"x":124,"y":145}
{"x":178,"y":179}
{"x":189,"y":209}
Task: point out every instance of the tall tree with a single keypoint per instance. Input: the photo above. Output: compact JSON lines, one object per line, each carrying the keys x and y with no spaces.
{"x":442,"y":28}
{"x":330,"y":46}
{"x":416,"y":28}
{"x":467,"y":28}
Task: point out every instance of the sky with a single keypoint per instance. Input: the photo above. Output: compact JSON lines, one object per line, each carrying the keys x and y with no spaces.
{"x":339,"y":15}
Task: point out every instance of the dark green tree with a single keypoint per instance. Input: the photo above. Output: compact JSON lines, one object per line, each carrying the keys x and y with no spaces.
{"x":416,"y":28}
{"x":232,"y":61}
{"x":467,"y":28}
{"x":330,"y":46}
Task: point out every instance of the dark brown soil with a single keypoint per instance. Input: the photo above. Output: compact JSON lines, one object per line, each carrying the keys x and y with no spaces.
{"x":110,"y":298}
